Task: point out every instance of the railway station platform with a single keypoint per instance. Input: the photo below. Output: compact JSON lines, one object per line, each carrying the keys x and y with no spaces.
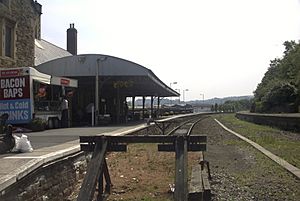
{"x":49,"y":146}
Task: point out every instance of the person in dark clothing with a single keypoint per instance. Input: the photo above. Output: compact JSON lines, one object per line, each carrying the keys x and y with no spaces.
{"x":7,"y":141}
{"x":65,"y":113}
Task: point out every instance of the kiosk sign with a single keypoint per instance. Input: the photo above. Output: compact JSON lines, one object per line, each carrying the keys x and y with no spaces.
{"x":15,"y":97}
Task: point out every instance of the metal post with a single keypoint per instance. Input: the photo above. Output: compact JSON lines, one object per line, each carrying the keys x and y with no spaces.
{"x":158,"y":109}
{"x":133,"y":105}
{"x":99,"y":60}
{"x":144,"y":107}
{"x":179,"y":95}
{"x":171,"y":88}
{"x":152,"y":99}
{"x":184,"y":90}
{"x":97,"y":93}
{"x":93,"y":116}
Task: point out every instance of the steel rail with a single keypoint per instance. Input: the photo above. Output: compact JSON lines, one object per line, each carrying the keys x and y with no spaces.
{"x":186,"y":122}
{"x":193,"y":125}
{"x":181,"y":125}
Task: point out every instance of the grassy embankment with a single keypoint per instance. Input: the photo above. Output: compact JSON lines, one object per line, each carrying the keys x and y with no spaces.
{"x":282,"y":143}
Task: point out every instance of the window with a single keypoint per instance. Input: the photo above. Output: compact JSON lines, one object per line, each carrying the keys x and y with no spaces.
{"x":6,"y":3}
{"x":7,"y":38}
{"x":8,"y":41}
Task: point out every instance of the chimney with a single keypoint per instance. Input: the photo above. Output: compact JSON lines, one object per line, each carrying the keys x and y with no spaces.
{"x":38,"y":7}
{"x":37,"y":28}
{"x":72,"y":40}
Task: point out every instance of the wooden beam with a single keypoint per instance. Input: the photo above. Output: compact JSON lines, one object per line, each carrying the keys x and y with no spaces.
{"x":142,"y":139}
{"x":196,"y":187}
{"x":94,"y":169}
{"x":191,"y":147}
{"x":181,"y":176}
{"x":108,"y":184}
{"x":110,"y":148}
{"x":206,"y":184}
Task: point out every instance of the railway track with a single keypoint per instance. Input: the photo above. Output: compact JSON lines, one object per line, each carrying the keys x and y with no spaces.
{"x":199,"y":187}
{"x":186,"y":127}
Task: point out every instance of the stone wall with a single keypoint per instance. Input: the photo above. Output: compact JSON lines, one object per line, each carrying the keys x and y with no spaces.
{"x":54,"y":181}
{"x":24,"y":15}
{"x":282,"y":121}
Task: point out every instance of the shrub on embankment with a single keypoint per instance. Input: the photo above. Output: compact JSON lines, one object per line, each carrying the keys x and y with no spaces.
{"x":279,"y":90}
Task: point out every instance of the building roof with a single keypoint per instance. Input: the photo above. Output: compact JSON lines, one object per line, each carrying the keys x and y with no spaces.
{"x":46,"y":51}
{"x":132,"y":79}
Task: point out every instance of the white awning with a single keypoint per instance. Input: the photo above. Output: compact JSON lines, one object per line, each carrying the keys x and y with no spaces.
{"x":23,"y":71}
{"x":38,"y":76}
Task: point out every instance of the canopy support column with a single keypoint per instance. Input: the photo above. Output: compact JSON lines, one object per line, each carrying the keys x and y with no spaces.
{"x":144,"y":99}
{"x":152,"y":98}
{"x":158,"y":103}
{"x":133,"y":105}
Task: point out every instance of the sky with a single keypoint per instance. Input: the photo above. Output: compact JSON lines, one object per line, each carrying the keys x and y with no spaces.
{"x":213,"y":47}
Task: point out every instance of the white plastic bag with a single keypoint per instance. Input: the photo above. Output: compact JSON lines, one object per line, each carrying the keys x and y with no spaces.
{"x":22,"y":144}
{"x":17,"y":138}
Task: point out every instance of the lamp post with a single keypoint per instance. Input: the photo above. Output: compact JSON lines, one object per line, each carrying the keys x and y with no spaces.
{"x":202,"y":97}
{"x":99,"y":60}
{"x":171,"y":88}
{"x":179,"y":95}
{"x":172,"y":83}
{"x":183,"y":94}
{"x":202,"y":101}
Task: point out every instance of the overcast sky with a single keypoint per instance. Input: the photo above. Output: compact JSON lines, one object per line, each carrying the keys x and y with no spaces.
{"x":213,"y":47}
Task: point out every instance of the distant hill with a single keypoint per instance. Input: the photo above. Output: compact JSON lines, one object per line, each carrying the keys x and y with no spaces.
{"x":219,"y":101}
{"x":212,"y":101}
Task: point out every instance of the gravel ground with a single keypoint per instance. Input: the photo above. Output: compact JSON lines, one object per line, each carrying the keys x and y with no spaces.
{"x":239,"y":172}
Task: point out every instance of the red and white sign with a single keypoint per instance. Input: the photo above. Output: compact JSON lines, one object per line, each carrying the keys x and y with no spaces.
{"x":14,"y":87}
{"x":64,"y":82}
{"x":10,"y":73}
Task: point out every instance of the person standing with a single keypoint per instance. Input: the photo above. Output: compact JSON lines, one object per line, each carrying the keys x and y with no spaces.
{"x":65,"y":113}
{"x":126,"y":112}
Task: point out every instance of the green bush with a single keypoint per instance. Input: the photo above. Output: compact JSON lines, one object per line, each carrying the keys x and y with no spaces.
{"x":37,"y":124}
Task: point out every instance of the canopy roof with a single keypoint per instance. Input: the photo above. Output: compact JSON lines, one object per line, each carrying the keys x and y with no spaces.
{"x":132,"y":79}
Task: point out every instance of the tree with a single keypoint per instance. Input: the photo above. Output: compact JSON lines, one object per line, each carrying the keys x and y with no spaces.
{"x":281,"y":83}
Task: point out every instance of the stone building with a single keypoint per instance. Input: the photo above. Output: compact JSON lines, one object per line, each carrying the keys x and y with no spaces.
{"x":20,"y":25}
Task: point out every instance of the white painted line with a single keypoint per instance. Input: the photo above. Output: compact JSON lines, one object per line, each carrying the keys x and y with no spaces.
{"x":294,"y":170}
{"x":52,"y":154}
{"x":123,"y":131}
{"x":22,"y":157}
